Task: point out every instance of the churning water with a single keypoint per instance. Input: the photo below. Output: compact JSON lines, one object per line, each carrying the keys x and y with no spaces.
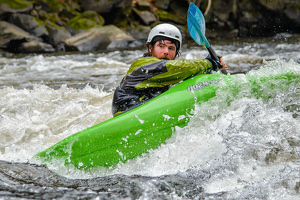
{"x":243,"y":144}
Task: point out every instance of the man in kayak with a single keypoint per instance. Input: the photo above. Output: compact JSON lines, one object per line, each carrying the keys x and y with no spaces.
{"x":153,"y":74}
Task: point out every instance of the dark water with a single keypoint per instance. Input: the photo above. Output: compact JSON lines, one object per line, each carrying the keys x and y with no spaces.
{"x":248,"y":148}
{"x":20,"y":180}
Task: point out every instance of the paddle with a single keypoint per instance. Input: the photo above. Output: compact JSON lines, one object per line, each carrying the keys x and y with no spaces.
{"x":196,"y":26}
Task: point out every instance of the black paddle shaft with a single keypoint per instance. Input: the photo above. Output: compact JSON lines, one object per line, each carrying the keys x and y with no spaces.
{"x":213,"y":53}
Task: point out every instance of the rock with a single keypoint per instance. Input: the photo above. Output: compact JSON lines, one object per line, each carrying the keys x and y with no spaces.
{"x":59,"y":12}
{"x":140,"y":33}
{"x":275,"y":5}
{"x":232,"y":34}
{"x":52,"y":17}
{"x":122,"y":18}
{"x":12,"y":36}
{"x":266,"y":18}
{"x":35,"y":47}
{"x":57,"y":35}
{"x":292,"y":13}
{"x":16,"y":40}
{"x":123,"y":45}
{"x":29,"y":24}
{"x":143,"y":5}
{"x":5,"y":53}
{"x":250,"y":22}
{"x":15,"y":7}
{"x":40,"y":5}
{"x":219,"y":20}
{"x":146,"y":16}
{"x":100,"y":38}
{"x":180,"y":9}
{"x":162,"y":4}
{"x":290,"y":8}
{"x":101,"y":6}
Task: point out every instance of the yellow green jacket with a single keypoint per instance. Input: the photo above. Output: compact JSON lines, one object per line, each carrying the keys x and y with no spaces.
{"x":148,"y":77}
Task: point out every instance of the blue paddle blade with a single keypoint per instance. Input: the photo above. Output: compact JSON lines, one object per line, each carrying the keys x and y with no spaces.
{"x":196,"y":25}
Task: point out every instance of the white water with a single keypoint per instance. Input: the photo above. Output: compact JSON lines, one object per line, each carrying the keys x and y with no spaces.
{"x":249,"y":146}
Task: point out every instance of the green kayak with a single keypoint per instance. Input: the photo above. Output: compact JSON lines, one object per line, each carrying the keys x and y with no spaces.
{"x":135,"y":132}
{"x":146,"y":127}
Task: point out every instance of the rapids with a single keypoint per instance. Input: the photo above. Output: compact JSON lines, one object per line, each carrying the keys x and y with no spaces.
{"x":244,"y":144}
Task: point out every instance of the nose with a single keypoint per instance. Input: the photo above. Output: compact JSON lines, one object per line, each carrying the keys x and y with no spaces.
{"x":166,"y":51}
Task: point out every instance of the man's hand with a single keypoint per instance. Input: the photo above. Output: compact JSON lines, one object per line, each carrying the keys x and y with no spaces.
{"x":217,"y":64}
{"x":223,"y":63}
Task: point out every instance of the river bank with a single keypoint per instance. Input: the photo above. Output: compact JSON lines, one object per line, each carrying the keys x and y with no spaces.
{"x":48,"y":26}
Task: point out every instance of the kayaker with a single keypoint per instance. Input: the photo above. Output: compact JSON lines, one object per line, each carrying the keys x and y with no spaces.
{"x":154,"y":73}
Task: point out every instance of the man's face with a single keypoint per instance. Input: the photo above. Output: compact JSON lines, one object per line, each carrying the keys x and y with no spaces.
{"x":164,"y":50}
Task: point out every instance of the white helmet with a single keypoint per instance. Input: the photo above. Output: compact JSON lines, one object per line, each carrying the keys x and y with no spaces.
{"x":166,"y":30}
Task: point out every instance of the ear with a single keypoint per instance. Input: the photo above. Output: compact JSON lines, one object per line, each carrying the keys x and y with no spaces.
{"x":150,"y":48}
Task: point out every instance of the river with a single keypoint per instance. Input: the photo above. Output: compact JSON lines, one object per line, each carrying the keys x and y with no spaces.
{"x":249,"y":149}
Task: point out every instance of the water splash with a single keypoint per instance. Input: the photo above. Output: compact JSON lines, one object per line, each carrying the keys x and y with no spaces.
{"x":32,"y":120}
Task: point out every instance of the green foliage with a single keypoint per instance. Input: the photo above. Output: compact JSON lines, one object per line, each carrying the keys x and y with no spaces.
{"x":60,"y":6}
{"x":50,"y":23}
{"x":53,"y":17}
{"x":55,"y":5}
{"x":15,"y":4}
{"x":167,"y":16}
{"x":86,"y":20}
{"x":40,"y":22}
